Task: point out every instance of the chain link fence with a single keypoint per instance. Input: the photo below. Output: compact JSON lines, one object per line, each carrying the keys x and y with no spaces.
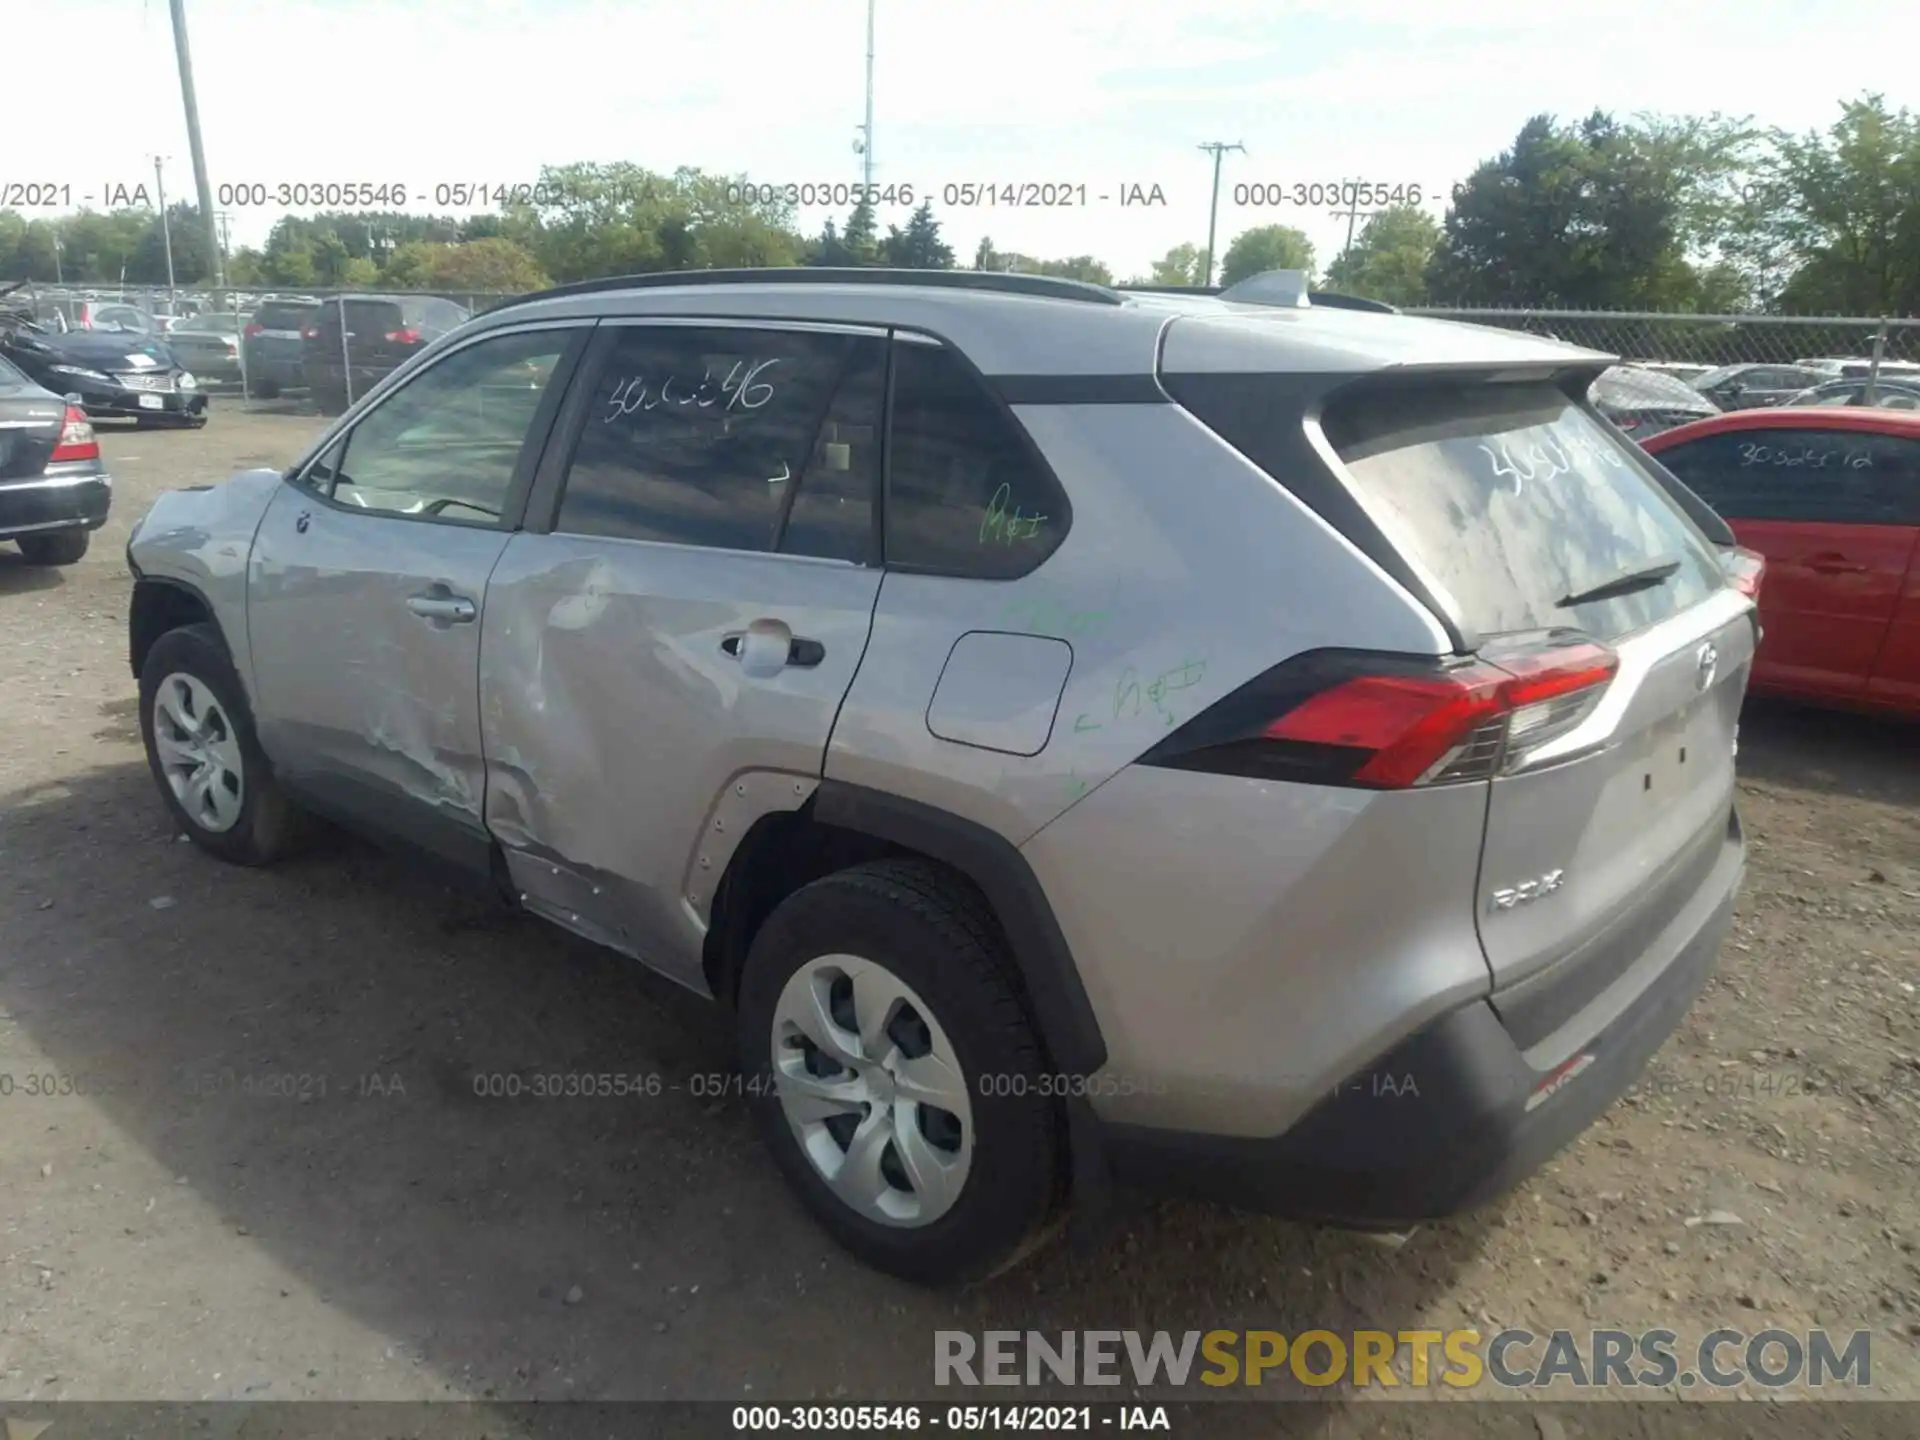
{"x":318,"y":349}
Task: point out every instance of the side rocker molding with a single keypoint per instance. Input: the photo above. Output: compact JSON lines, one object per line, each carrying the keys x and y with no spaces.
{"x":1068,"y":1025}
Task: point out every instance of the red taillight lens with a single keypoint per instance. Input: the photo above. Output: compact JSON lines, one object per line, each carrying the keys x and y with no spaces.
{"x":253,"y":330}
{"x":1745,"y":569}
{"x":403,"y":337}
{"x":77,"y":441}
{"x":1388,"y":722}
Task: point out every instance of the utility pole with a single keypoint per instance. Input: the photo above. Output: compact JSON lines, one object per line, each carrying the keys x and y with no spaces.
{"x":1217,"y":149}
{"x":199,"y":151}
{"x":166,"y":225}
{"x":866,"y":130}
{"x":1353,"y":212}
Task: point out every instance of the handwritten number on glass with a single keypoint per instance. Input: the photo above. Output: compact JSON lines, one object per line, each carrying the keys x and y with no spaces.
{"x":1806,"y":457}
{"x":743,"y":389}
{"x":1544,"y":458}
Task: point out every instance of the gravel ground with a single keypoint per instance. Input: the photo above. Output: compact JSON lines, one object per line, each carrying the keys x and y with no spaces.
{"x":398,"y":1237}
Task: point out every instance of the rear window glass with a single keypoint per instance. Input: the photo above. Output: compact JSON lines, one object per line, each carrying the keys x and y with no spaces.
{"x":282,"y":317}
{"x":364,"y":317}
{"x":1514,"y":500}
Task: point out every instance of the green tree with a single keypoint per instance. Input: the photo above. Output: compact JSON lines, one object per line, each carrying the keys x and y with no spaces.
{"x":1586,"y":216}
{"x":27,"y":247}
{"x":919,"y":246}
{"x":1842,"y":211}
{"x":621,"y":219}
{"x":1182,"y":265}
{"x":985,"y":257}
{"x":1263,"y":248}
{"x":862,"y":236}
{"x":1388,"y":260}
{"x":829,"y":250}
{"x":1074,"y":267}
{"x":492,"y":266}
{"x":192,"y":250}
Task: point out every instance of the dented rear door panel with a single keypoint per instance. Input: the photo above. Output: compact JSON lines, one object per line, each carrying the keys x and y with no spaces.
{"x":628,"y":746}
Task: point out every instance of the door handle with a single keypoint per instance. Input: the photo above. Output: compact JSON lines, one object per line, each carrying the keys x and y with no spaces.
{"x":801,"y":652}
{"x":1834,"y":564}
{"x":452,"y":609}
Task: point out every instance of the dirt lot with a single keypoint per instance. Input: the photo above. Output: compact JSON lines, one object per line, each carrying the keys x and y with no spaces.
{"x":401,"y":1238}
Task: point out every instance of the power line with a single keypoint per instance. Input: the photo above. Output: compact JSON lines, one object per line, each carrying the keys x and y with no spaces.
{"x":1216,"y":148}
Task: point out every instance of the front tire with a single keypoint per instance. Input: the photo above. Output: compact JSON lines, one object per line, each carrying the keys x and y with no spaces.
{"x":62,"y":547}
{"x":894,"y":1074}
{"x":203,"y":754}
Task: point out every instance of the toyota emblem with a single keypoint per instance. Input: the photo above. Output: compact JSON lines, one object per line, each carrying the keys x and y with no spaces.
{"x":1706,"y":665}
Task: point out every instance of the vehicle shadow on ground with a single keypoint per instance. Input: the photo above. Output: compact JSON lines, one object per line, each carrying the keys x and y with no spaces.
{"x":1831,"y":752}
{"x":17,"y":577}
{"x":312,"y":1050}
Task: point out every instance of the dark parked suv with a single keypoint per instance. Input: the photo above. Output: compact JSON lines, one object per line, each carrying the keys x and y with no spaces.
{"x":271,"y":346}
{"x":352,"y":342}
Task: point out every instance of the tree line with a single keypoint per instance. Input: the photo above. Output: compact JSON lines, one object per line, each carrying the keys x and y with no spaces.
{"x":1697,"y":214}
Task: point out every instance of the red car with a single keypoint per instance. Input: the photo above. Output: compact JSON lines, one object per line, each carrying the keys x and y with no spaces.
{"x":1831,"y":498}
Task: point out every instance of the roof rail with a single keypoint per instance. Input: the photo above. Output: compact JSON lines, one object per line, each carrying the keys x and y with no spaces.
{"x":1047,"y":287}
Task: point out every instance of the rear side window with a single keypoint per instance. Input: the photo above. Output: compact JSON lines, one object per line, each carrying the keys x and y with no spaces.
{"x":732,"y":438}
{"x":1516,"y":501}
{"x":1842,"y":477}
{"x":967,"y":494}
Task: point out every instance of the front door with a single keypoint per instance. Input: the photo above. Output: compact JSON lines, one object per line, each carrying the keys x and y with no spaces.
{"x":667,"y":662}
{"x":366,"y":585}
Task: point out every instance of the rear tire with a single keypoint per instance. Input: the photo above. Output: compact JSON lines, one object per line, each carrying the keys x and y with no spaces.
{"x":203,"y":754}
{"x":902,"y":971}
{"x":62,"y":547}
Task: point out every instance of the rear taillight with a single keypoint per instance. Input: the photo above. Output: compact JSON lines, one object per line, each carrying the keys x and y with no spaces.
{"x":253,"y":330}
{"x":1745,"y":569}
{"x":403,"y":337}
{"x":1392,"y":722}
{"x":76,"y":438}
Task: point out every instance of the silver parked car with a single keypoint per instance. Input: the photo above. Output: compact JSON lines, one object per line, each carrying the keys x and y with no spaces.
{"x":1256,"y":750}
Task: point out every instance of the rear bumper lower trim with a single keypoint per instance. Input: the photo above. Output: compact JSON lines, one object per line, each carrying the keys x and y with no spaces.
{"x":1448,"y":1120}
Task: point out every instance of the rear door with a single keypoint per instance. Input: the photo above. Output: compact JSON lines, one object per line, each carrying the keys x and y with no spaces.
{"x":1820,"y":505}
{"x":1517,"y":504}
{"x":666,"y":663}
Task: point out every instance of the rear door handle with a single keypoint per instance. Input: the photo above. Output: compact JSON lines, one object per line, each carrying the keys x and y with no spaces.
{"x":450,"y":609}
{"x":801,"y":652}
{"x":1834,"y":564}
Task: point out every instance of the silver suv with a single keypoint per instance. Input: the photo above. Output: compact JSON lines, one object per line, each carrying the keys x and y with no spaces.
{"x":1261,"y":750}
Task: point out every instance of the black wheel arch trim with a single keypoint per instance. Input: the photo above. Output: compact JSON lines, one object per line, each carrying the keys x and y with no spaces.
{"x":135,"y":651}
{"x":1068,"y":1026}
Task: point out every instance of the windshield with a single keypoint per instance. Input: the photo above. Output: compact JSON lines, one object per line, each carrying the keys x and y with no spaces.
{"x":1512,"y":498}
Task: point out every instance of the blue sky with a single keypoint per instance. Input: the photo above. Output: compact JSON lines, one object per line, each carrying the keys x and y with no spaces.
{"x":1093,"y":92}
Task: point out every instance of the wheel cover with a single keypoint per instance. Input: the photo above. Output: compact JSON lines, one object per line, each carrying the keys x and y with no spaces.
{"x":873,"y":1091}
{"x":199,"y":752}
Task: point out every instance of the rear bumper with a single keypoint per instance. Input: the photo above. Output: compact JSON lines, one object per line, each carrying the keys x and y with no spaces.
{"x":1452,"y":1117}
{"x":55,"y":502}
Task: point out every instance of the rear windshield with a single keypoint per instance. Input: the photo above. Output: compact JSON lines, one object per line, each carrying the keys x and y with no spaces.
{"x":363,"y":316}
{"x":1515,"y":500}
{"x":282,"y":317}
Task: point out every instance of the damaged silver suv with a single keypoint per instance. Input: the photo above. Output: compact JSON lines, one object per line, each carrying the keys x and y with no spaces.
{"x":1234,"y":744}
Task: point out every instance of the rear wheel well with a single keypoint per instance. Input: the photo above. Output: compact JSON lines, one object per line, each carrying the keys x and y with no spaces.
{"x":160,"y":606}
{"x":780,"y":854}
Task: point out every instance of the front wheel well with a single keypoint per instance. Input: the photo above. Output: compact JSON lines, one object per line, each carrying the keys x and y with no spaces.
{"x":160,"y":606}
